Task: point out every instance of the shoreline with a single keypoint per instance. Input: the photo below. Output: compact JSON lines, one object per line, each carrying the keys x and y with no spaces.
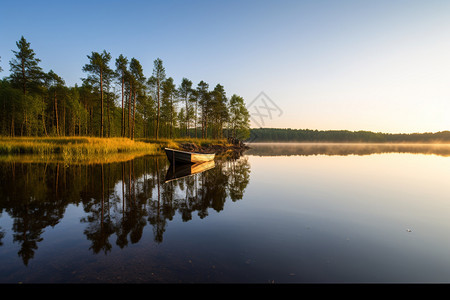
{"x":95,"y":148}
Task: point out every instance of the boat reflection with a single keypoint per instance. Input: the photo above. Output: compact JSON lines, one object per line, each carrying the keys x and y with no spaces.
{"x":177,"y":171}
{"x":119,"y":200}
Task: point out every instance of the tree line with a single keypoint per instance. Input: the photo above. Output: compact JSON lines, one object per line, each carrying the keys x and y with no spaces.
{"x":115,"y":99}
{"x":309,"y":135}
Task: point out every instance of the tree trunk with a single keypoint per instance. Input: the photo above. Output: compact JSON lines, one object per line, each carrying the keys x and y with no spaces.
{"x":134,"y":113}
{"x":187,"y":118}
{"x":24,"y":86}
{"x":86,"y":127}
{"x":43,"y":117}
{"x":171,"y":117}
{"x":108,"y":116}
{"x":129,"y":111}
{"x":101,"y":113}
{"x":157,"y":118}
{"x":12,"y":121}
{"x":64,"y":119}
{"x":123,"y":113}
{"x":56,"y":113}
{"x":195,"y":119}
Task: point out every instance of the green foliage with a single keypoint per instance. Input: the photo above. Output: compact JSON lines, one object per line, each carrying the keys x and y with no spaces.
{"x":239,"y":118}
{"x":155,"y":82}
{"x":309,"y":135}
{"x":219,"y":109}
{"x":110,"y":103}
{"x":185,"y":93}
{"x":121,"y":74}
{"x":168,"y":108}
{"x":25,"y":72}
{"x":99,"y":73}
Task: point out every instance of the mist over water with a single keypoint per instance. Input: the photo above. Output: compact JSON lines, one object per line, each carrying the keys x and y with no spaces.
{"x":274,"y":149}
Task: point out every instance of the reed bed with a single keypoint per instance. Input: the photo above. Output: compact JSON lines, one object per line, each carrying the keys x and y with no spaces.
{"x":89,"y":149}
{"x":74,"y":146}
{"x":69,"y":160}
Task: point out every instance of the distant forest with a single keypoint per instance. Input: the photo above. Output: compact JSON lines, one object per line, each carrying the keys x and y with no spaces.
{"x":115,"y":99}
{"x":344,"y":136}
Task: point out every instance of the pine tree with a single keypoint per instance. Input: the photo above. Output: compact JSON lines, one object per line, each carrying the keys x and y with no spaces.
{"x":98,"y":67}
{"x":121,"y":72}
{"x":55,"y":85}
{"x":137,"y":75}
{"x":168,"y":96}
{"x":25,"y":72}
{"x":204,"y":98}
{"x":185,"y":92}
{"x":158,"y":76}
{"x":239,"y":118}
{"x":219,"y":110}
{"x":27,"y":76}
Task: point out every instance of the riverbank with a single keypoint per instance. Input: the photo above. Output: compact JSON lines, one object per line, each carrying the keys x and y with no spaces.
{"x":221,"y":147}
{"x":72,"y":146}
{"x":86,"y":148}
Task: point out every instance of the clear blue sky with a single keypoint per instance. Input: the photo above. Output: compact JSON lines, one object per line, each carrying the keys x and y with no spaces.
{"x":357,"y":65}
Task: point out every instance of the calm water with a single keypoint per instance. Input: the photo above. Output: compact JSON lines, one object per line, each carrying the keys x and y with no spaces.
{"x":284,"y":213}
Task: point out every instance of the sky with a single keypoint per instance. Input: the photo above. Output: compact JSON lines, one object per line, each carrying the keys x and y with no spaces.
{"x":381,"y":66}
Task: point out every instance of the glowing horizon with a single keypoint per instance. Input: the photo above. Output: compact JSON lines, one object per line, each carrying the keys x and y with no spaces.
{"x":380,"y":66}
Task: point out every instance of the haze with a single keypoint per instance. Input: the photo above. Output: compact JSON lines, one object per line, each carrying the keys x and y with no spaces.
{"x":355,"y":65}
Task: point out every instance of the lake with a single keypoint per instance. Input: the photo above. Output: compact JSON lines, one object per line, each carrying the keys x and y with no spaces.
{"x":281,"y":213}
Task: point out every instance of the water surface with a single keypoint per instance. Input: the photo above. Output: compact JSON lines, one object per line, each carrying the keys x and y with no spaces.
{"x":284,"y":213}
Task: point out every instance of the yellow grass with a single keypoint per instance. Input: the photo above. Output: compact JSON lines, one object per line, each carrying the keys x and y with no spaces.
{"x":68,"y":160}
{"x":86,"y":149}
{"x":73,"y":146}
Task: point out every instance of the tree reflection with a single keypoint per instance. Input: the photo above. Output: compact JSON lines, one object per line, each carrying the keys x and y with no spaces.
{"x":119,"y":199}
{"x":34,"y":195}
{"x":343,"y":149}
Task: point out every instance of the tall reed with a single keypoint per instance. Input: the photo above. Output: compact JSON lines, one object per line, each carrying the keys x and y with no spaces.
{"x":73,"y":146}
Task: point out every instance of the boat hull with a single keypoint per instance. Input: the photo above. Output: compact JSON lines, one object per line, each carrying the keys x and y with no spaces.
{"x":177,"y":156}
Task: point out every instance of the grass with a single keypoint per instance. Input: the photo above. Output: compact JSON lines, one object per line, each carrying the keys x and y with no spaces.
{"x":79,"y":149}
{"x":73,"y":148}
{"x":68,"y":160}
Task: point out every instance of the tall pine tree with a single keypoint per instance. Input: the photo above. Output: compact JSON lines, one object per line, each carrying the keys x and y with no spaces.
{"x":25,"y":72}
{"x":27,"y":76}
{"x":137,"y":74}
{"x":55,"y":85}
{"x":185,"y":93}
{"x":121,"y":72}
{"x":158,"y":76}
{"x":99,"y":69}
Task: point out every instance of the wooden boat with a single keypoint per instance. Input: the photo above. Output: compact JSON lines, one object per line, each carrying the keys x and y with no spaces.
{"x":178,"y":156}
{"x":183,"y":170}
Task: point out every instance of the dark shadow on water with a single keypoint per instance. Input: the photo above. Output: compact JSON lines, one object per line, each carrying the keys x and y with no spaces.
{"x":119,"y":199}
